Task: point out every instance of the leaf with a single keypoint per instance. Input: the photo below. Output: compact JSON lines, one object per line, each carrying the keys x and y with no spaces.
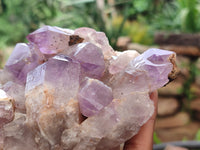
{"x":75,"y":2}
{"x":156,"y":138}
{"x":141,"y":5}
{"x":198,"y":135}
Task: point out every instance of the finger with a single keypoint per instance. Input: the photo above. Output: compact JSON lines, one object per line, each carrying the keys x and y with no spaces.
{"x":154,"y":98}
{"x":144,"y":139}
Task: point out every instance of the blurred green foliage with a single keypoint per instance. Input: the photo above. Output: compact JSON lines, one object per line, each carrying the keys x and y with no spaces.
{"x":138,"y":31}
{"x":156,"y":139}
{"x":19,"y":17}
{"x":179,"y":16}
{"x":144,"y":17}
{"x":198,"y":135}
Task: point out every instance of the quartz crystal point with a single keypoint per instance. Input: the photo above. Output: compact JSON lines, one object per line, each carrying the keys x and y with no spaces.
{"x":154,"y":65}
{"x":53,"y":83}
{"x":23,"y":59}
{"x":91,"y":59}
{"x":97,"y":38}
{"x":119,"y":62}
{"x":17,"y":92}
{"x":49,"y":89}
{"x":93,"y":96}
{"x":6,"y":108}
{"x":147,"y":72}
{"x":52,"y":40}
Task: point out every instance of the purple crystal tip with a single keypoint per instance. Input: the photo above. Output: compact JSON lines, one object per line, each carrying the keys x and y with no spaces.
{"x":93,"y":96}
{"x":154,"y":66}
{"x":50,"y":40}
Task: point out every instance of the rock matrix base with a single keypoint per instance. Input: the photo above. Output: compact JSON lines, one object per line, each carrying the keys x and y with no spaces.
{"x":69,"y":90}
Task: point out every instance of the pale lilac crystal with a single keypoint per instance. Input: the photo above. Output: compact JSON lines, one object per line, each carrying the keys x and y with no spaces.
{"x":51,"y":85}
{"x":5,"y":76}
{"x":22,"y":60}
{"x":91,"y":59}
{"x":6,"y":108}
{"x":97,"y":38}
{"x":114,"y":124}
{"x":154,"y":65}
{"x":52,"y":40}
{"x":18,"y":136}
{"x":122,"y":118}
{"x":119,"y":62}
{"x":73,"y":72}
{"x":60,"y":73}
{"x":16,"y":91}
{"x":93,"y":96}
{"x":57,"y":79}
{"x":147,"y":72}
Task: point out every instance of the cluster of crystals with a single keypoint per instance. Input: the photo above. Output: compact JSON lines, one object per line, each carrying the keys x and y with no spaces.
{"x":61,"y":75}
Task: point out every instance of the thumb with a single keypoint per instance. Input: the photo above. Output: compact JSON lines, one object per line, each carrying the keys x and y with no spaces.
{"x":144,"y":139}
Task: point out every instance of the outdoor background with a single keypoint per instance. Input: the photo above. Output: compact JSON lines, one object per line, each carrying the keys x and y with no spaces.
{"x":129,"y":24}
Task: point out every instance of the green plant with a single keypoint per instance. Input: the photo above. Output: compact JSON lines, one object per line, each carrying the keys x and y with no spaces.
{"x":186,"y":90}
{"x":156,"y":139}
{"x":189,"y":13}
{"x":19,"y":17}
{"x":197,"y":137}
{"x":187,"y":85}
{"x":179,"y":16}
{"x":138,"y":31}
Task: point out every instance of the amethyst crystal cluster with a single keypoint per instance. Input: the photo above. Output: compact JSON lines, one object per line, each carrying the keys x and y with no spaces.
{"x":69,"y":90}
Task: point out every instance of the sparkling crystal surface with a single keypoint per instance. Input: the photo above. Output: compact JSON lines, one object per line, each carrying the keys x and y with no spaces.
{"x":69,"y":90}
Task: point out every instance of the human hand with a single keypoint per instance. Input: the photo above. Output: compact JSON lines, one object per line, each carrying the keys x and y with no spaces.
{"x":144,"y":139}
